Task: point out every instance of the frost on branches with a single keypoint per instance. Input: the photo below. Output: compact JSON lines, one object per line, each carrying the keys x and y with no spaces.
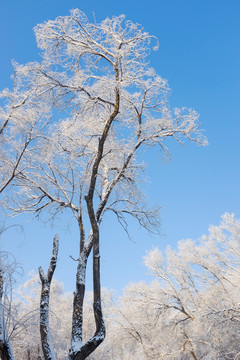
{"x":77,"y":123}
{"x":190,"y":310}
{"x":194,"y":302}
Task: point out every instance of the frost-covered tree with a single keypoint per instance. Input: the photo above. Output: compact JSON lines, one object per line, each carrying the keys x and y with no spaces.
{"x":199,"y":293}
{"x":8,"y":268}
{"x":22,"y":119}
{"x":97,"y":104}
{"x":190,"y":311}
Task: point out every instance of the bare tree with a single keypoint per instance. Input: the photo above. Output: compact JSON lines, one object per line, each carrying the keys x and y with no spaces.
{"x":107,"y":105}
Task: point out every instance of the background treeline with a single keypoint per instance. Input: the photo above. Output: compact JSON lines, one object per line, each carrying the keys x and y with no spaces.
{"x":190,"y":310}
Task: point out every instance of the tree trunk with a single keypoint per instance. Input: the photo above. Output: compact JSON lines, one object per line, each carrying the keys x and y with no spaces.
{"x":5,"y":346}
{"x":80,"y":350}
{"x":46,"y":339}
{"x":6,"y":351}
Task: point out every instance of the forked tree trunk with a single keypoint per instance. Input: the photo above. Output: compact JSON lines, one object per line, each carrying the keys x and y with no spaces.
{"x":78,"y":349}
{"x":81,"y":350}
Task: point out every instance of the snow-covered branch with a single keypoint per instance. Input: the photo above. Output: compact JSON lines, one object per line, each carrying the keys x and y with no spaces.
{"x":46,"y":279}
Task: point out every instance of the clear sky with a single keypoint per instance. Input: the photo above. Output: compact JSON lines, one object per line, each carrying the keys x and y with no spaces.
{"x":199,"y":54}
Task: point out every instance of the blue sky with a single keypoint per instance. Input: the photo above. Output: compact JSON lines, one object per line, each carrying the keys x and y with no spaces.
{"x":199,"y":55}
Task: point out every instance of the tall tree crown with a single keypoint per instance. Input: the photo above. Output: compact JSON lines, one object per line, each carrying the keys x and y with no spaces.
{"x":103,"y":103}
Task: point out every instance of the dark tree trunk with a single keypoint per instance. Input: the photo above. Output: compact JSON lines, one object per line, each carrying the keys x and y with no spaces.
{"x":5,"y":346}
{"x":6,"y":351}
{"x":80,"y":350}
{"x":46,"y":339}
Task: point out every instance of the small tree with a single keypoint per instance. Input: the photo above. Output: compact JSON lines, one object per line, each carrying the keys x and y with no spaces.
{"x":107,"y":104}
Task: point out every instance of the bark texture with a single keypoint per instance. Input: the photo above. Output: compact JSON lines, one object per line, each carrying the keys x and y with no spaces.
{"x":46,"y":279}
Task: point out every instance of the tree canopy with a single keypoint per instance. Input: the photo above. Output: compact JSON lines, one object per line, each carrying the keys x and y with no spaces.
{"x":73,"y":130}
